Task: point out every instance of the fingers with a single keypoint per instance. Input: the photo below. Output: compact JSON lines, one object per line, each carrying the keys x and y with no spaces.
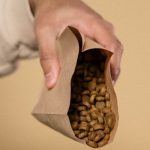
{"x":103,"y":32}
{"x":48,"y":55}
{"x":116,"y":62}
{"x":110,"y":42}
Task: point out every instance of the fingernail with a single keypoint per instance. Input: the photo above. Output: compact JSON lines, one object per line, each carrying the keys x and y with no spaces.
{"x":113,"y":82}
{"x":117,"y":72}
{"x":50,"y":80}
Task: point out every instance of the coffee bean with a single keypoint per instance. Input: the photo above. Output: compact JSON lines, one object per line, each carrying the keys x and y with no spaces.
{"x":83,"y":113}
{"x":100,"y":98}
{"x":106,"y":110}
{"x":91,"y":129}
{"x":93,"y":108}
{"x":102,"y":143}
{"x":81,"y":108}
{"x":100,"y":80}
{"x":107,"y":129}
{"x":82,"y":134}
{"x":92,"y":98}
{"x":86,"y":103}
{"x":85,"y":98}
{"x":85,"y":139}
{"x":76,"y":132}
{"x":110,"y":119}
{"x":88,"y":118}
{"x":83,"y":123}
{"x":93,"y":122}
{"x":90,"y":112}
{"x":92,"y":135}
{"x":100,"y":119}
{"x":100,"y":105}
{"x":101,"y":133}
{"x":103,"y":91}
{"x":88,"y":78}
{"x":107,"y":137}
{"x":107,"y":97}
{"x":108,"y":104}
{"x":86,"y":92}
{"x":92,"y":144}
{"x":98,"y":126}
{"x":92,"y":85}
{"x":83,"y":127}
{"x":74,"y":125}
{"x":93,"y":92}
{"x":82,"y":118}
{"x":94,"y":115}
{"x":97,"y":138}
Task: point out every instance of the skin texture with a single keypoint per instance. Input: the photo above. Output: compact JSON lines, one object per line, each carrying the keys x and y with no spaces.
{"x":50,"y":21}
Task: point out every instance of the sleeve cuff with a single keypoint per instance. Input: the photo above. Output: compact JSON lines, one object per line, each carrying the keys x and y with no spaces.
{"x":17,"y":22}
{"x":29,"y":11}
{"x":17,"y":38}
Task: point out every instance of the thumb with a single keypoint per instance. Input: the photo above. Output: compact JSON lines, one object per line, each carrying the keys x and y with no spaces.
{"x":48,"y":57}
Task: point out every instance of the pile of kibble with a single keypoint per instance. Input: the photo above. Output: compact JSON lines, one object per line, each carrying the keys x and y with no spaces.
{"x":90,"y":110}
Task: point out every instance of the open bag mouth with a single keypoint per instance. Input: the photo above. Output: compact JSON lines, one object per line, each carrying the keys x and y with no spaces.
{"x":83,"y":104}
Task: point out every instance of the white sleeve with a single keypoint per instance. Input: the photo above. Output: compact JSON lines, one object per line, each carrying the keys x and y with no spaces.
{"x":17,"y":39}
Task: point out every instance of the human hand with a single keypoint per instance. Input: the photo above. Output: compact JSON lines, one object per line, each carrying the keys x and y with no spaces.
{"x":53,"y":16}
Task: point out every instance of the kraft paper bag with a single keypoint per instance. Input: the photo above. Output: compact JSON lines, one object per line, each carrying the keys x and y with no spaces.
{"x":53,"y":105}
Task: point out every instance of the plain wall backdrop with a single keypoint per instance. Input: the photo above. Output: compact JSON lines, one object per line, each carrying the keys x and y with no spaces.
{"x":19,"y":91}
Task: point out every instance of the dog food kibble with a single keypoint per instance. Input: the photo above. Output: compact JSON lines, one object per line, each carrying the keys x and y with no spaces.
{"x":90,"y":112}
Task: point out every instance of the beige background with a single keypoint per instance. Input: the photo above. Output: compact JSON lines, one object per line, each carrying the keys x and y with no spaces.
{"x":19,"y":92}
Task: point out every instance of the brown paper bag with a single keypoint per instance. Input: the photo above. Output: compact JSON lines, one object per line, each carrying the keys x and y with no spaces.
{"x":53,"y":105}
